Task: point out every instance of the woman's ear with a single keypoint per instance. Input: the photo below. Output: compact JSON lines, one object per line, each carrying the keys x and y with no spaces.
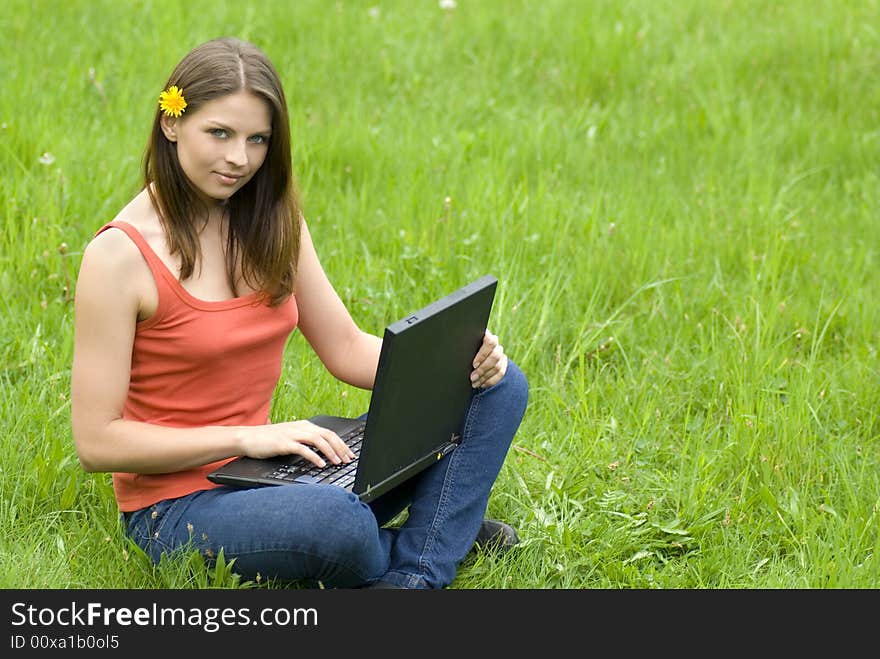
{"x":169,"y":127}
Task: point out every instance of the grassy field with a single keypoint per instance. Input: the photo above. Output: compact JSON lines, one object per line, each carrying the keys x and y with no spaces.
{"x":679,"y":198}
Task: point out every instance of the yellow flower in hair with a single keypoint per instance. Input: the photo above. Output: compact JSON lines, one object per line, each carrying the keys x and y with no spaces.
{"x":171,"y":101}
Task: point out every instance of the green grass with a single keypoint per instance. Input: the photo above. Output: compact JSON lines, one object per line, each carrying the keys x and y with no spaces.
{"x":679,"y":199}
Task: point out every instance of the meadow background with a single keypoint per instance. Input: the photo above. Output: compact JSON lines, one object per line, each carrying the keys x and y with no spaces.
{"x":679,"y":199}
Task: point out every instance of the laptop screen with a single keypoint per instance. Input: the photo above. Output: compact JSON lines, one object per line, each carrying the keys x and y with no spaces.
{"x":422,"y":389}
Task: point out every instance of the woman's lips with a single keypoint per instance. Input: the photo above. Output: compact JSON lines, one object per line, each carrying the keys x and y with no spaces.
{"x":227,"y":179}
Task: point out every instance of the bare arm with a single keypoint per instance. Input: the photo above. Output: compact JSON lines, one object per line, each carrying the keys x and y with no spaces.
{"x":350,"y":354}
{"x":110,"y":292}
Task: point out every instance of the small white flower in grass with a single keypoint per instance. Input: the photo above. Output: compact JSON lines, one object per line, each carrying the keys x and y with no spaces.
{"x":449,"y":5}
{"x":47,"y":158}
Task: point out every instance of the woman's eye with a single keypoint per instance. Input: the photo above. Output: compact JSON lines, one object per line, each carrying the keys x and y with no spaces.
{"x":218,"y":132}
{"x":258,"y":139}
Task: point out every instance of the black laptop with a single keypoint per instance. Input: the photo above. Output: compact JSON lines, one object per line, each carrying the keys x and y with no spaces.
{"x":417,"y":407}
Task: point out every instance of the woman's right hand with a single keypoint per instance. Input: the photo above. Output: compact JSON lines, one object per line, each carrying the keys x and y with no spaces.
{"x":300,"y":437}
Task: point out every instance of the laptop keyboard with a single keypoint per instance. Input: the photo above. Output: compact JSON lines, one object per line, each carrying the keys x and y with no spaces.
{"x":303,"y":471}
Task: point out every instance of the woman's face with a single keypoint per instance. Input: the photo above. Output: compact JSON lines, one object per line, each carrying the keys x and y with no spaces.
{"x":222,"y":145}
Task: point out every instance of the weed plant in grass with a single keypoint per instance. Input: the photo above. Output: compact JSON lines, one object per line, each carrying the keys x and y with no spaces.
{"x":678,"y":198}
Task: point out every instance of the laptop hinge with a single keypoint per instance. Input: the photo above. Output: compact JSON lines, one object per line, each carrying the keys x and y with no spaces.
{"x":373,"y":490}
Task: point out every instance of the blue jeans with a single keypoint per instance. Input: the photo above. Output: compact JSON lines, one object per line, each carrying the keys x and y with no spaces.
{"x":322,"y":533}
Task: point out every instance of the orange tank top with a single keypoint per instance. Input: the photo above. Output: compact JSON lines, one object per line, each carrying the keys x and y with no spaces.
{"x":198,"y":363}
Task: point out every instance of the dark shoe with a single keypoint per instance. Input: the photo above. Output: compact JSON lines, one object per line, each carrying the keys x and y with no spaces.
{"x":496,"y":536}
{"x":381,"y":584}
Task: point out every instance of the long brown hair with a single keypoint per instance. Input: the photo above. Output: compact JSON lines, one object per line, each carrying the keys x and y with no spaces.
{"x":264,"y":215}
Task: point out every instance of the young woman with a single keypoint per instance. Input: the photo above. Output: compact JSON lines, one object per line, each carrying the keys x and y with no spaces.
{"x":184,"y":304}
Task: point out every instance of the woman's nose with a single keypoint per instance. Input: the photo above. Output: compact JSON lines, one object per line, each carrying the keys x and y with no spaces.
{"x":236,"y":154}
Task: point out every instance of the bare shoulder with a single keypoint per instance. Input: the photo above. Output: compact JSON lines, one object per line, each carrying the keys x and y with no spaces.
{"x":113,"y":275}
{"x":112,"y":261}
{"x":112,"y":252}
{"x":112,"y":248}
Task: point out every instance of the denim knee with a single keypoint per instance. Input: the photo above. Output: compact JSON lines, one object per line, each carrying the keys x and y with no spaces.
{"x":510,"y":401}
{"x":360,"y":527}
{"x":355,"y":542}
{"x":516,"y":387}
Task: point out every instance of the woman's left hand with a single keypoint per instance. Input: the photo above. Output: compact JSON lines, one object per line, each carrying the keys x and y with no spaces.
{"x":490,"y":364}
